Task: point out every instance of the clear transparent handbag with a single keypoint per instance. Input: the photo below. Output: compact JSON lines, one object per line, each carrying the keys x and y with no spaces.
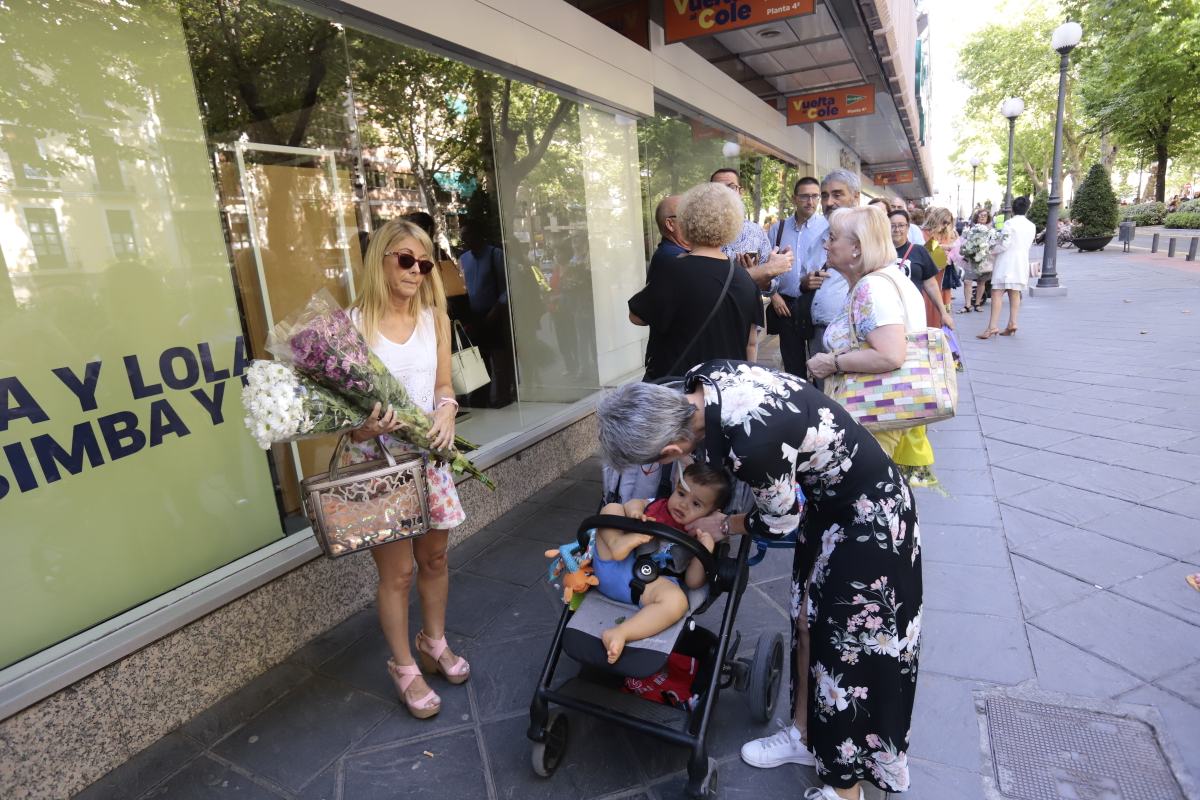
{"x":366,"y":504}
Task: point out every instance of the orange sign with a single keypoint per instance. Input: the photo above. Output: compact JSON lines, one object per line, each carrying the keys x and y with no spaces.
{"x":888,"y":178}
{"x":828,"y":106}
{"x":687,"y":19}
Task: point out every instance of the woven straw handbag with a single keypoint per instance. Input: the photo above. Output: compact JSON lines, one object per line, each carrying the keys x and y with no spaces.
{"x":367,"y":504}
{"x":921,"y":391}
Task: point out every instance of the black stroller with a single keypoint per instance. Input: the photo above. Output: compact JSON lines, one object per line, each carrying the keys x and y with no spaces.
{"x":597,"y":689}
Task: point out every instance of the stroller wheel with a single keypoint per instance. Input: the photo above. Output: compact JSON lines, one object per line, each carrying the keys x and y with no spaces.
{"x":547,"y":754}
{"x":708,"y":786}
{"x":766,"y":673}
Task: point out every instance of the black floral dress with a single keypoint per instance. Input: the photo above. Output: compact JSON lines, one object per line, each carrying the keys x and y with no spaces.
{"x":858,"y":552}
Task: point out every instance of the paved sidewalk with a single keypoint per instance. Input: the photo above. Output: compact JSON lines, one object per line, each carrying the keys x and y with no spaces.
{"x":1058,"y":558}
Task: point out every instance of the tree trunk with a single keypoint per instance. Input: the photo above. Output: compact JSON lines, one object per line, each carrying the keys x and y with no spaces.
{"x":1108,"y":152}
{"x":1160,"y":179}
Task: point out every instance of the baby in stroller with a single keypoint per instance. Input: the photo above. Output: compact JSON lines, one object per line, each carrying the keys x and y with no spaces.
{"x":698,"y":492}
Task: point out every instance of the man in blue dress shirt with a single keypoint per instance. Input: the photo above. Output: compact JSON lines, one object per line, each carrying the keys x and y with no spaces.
{"x":791,"y":303}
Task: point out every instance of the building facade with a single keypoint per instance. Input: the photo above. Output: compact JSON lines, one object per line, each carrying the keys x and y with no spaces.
{"x":178,"y":176}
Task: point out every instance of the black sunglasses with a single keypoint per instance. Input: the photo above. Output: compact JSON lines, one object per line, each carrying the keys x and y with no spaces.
{"x":406,"y":261}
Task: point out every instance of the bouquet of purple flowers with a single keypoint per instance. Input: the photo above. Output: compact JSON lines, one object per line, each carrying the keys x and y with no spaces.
{"x":330,"y":358}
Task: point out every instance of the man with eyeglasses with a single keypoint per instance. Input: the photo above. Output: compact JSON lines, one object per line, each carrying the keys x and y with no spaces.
{"x":672,"y":244}
{"x":752,"y":249}
{"x":790,"y":313}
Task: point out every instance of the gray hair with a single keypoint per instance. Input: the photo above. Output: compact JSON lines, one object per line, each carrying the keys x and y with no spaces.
{"x":638,"y":420}
{"x":843,"y":176}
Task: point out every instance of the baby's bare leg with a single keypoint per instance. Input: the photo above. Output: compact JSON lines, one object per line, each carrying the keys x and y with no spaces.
{"x":663,"y":604}
{"x":608,"y":538}
{"x":615,"y":545}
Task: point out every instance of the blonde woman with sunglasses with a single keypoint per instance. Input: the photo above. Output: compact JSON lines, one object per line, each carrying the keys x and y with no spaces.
{"x":401,"y":312}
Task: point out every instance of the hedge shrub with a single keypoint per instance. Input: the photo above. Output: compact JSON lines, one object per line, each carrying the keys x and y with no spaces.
{"x":1039,"y":210}
{"x":1183,"y":219}
{"x":1190,"y":207}
{"x":1145,"y":213}
{"x":1095,"y":211}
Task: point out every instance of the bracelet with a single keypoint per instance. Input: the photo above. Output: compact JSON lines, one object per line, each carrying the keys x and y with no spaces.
{"x":725,"y":526}
{"x":836,"y":368}
{"x":446,"y":401}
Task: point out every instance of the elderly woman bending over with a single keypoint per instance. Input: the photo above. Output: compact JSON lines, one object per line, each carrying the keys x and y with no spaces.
{"x":857,"y":557}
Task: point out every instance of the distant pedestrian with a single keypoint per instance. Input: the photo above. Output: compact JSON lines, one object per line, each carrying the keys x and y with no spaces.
{"x":975,"y":277}
{"x":1010,"y":275}
{"x":939,"y":235}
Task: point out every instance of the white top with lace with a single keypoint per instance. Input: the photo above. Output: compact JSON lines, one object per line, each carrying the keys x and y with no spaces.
{"x":414,"y":363}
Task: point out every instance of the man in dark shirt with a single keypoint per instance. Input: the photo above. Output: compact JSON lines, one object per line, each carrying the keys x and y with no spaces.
{"x":671,"y":245}
{"x":675,"y":302}
{"x":915,"y":262}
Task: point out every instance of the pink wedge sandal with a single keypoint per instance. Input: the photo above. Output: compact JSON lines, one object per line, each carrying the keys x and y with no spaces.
{"x":403,"y":676}
{"x":430,"y":652}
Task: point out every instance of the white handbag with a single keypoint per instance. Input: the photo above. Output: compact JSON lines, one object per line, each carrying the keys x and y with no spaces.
{"x":467,"y":370}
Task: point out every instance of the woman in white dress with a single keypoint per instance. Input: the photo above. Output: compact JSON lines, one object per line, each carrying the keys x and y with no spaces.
{"x":402,"y":315}
{"x":1010,"y":275}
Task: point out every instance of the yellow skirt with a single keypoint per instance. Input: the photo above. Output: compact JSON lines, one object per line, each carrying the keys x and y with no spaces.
{"x":914,"y":449}
{"x":908,"y":448}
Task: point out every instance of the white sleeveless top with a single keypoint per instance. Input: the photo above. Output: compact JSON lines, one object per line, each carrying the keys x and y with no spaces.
{"x":413,"y":363}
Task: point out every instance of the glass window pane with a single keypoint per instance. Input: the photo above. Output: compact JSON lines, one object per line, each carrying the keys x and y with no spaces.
{"x":125,"y":470}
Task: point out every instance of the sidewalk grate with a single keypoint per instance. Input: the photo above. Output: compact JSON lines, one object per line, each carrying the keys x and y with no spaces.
{"x":1048,"y":752}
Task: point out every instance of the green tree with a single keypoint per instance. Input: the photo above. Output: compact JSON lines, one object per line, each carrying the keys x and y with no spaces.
{"x":415,"y":101}
{"x":1140,"y":64}
{"x":1015,"y":60}
{"x":1095,"y":210}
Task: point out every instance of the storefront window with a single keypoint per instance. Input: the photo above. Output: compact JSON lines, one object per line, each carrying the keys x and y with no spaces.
{"x":124,"y":468}
{"x":176,"y":177}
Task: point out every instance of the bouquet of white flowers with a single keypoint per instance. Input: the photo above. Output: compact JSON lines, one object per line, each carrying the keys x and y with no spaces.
{"x":283,"y":406}
{"x":977,"y":243}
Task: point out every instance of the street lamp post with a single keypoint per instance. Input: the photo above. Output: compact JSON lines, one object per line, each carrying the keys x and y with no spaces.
{"x":975,"y":162}
{"x":1010,"y":108}
{"x":1066,"y":37}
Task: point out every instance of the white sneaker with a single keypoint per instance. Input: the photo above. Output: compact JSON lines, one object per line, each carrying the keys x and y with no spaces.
{"x":784,"y":747}
{"x":825,"y":793}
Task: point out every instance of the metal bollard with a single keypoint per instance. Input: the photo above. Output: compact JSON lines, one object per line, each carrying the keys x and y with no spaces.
{"x":1191,"y":256}
{"x":1154,"y":243}
{"x":1171,"y":247}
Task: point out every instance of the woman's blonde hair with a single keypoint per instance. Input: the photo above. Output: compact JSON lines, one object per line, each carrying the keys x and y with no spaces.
{"x":374,"y":298}
{"x":939,"y":224}
{"x":710,"y":215}
{"x":867,"y":225}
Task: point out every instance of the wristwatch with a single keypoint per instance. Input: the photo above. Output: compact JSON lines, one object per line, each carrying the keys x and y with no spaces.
{"x":725,"y":526}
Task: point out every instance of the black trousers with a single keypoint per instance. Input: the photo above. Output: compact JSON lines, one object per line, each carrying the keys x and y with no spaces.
{"x":793,"y":343}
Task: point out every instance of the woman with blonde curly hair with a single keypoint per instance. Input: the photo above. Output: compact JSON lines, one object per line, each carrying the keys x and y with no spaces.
{"x":401,"y":313}
{"x":679,"y":296}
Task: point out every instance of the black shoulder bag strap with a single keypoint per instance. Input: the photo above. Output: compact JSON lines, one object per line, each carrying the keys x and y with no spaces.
{"x":716,"y":307}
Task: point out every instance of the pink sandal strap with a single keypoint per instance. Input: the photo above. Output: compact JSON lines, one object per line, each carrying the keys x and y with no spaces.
{"x":437,"y":647}
{"x":405,"y":675}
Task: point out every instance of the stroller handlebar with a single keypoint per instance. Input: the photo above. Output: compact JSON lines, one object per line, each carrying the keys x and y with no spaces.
{"x":657,"y":529}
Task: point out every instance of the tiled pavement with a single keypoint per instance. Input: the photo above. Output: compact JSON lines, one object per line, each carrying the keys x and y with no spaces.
{"x":1059,"y":557}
